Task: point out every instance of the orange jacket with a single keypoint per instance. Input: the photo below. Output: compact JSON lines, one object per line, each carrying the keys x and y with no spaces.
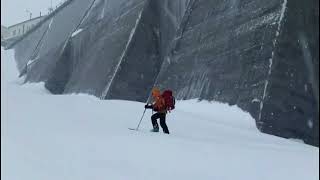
{"x":159,"y":104}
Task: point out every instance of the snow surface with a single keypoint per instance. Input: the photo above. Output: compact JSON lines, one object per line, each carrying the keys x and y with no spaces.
{"x":75,"y":137}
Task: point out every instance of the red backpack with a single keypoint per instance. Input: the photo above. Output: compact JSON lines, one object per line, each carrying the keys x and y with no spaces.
{"x":169,"y":99}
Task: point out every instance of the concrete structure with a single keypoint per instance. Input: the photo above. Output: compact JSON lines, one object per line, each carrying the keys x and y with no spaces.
{"x":4,"y":32}
{"x":261,"y":55}
{"x":17,"y":30}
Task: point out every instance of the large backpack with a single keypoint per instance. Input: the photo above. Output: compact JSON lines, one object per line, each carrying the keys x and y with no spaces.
{"x":169,"y":99}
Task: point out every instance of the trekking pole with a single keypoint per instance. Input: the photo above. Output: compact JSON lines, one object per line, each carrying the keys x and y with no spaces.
{"x":142,"y":114}
{"x":141,"y":118}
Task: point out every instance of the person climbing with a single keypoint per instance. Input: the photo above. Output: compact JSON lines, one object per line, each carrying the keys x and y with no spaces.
{"x":161,"y":104}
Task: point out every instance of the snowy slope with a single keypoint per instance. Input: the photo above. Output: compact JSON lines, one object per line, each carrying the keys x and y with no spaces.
{"x":75,"y":137}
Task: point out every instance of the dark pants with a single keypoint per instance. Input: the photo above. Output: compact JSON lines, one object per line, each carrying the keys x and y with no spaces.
{"x":163,"y":124}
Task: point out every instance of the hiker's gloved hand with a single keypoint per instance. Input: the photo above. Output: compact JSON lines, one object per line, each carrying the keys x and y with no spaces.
{"x":148,"y":106}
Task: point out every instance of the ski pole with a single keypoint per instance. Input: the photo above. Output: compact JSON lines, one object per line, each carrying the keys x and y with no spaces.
{"x":144,"y":112}
{"x":141,"y":118}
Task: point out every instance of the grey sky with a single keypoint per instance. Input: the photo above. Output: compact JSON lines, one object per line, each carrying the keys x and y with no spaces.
{"x":14,"y":11}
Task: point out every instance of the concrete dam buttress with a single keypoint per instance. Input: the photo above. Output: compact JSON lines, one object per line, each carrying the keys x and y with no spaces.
{"x":261,"y":55}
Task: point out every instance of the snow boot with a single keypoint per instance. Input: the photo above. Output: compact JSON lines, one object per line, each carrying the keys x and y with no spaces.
{"x":155,"y":129}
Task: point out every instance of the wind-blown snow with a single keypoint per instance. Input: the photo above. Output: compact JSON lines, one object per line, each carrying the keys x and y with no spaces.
{"x":105,"y":92}
{"x":50,"y":23}
{"x":75,"y":137}
{"x":283,"y":10}
{"x":76,"y":32}
{"x":103,"y":9}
